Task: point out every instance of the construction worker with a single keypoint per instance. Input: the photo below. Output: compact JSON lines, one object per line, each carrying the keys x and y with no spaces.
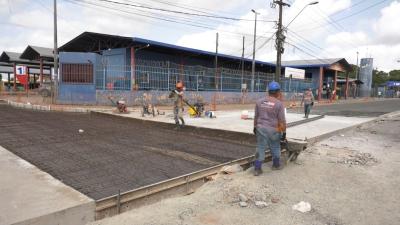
{"x":308,"y":100}
{"x":177,"y":96}
{"x":270,"y":127}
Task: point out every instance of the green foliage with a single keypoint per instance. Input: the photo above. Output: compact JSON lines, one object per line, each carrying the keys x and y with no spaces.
{"x":394,"y":75}
{"x":379,"y":77}
{"x":353,"y":72}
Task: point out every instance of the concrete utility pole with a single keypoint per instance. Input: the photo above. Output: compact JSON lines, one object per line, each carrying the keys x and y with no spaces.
{"x":253,"y":66}
{"x":357,"y":68}
{"x":280,"y":38}
{"x":55,"y":49}
{"x":216,"y":62}
{"x":242,"y":62}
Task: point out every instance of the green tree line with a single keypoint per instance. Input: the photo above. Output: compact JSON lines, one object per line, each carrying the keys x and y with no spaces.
{"x":378,"y":77}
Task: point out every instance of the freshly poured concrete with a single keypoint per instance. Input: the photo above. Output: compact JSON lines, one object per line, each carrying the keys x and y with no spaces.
{"x":230,"y":120}
{"x":31,"y":196}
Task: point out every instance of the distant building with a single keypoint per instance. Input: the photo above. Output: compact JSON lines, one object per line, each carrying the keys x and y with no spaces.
{"x":324,"y":74}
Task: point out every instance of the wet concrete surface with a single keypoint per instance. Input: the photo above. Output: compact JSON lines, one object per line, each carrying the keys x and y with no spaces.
{"x":359,"y":109}
{"x":114,"y":154}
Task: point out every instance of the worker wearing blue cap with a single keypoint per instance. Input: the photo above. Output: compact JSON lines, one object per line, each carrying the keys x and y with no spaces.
{"x":270,"y":127}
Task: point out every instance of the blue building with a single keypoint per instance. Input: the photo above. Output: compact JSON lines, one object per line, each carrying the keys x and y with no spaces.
{"x":95,"y":66}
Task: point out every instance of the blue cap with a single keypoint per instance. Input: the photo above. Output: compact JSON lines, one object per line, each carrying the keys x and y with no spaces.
{"x":274,"y":86}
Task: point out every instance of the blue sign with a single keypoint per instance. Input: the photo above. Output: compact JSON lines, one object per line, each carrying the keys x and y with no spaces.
{"x":393,"y":83}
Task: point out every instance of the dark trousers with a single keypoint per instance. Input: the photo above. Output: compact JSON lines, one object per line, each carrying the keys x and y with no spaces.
{"x":307,"y":109}
{"x":178,"y":115}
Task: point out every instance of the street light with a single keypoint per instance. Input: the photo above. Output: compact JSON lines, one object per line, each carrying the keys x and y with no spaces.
{"x":253,"y":65}
{"x":142,"y":47}
{"x":311,"y":3}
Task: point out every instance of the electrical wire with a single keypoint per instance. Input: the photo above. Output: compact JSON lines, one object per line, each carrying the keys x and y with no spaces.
{"x":197,"y":25}
{"x":180,"y":12}
{"x":344,"y":18}
{"x":307,"y":53}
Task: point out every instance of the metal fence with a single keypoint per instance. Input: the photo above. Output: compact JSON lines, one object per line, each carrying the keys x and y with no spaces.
{"x":154,"y":75}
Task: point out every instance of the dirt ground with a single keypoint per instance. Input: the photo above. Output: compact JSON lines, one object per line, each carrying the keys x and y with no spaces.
{"x":351,"y":178}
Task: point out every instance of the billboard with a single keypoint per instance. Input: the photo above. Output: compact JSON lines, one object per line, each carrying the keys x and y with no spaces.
{"x":294,"y":73}
{"x":22,"y":75}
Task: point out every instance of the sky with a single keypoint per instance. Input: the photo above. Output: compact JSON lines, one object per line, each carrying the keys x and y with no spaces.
{"x":329,"y":29}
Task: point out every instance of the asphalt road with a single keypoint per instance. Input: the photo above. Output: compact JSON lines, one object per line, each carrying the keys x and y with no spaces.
{"x":360,"y":109}
{"x":113,"y":153}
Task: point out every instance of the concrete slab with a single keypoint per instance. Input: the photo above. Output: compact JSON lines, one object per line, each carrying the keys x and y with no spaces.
{"x":31,"y":196}
{"x":230,"y":120}
{"x":329,"y":124}
{"x":226,"y":120}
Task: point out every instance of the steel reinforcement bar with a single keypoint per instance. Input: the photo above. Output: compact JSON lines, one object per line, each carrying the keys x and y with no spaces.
{"x":185,"y":184}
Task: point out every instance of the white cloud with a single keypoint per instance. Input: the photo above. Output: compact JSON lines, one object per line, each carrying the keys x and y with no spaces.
{"x":348,"y":38}
{"x":387,"y":27}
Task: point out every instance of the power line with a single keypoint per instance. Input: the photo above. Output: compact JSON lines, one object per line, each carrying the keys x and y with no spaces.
{"x":184,"y":6}
{"x":190,"y":8}
{"x":307,"y":53}
{"x":345,"y":17}
{"x":361,"y":11}
{"x":335,"y":25}
{"x":179,"y":12}
{"x":86,"y":3}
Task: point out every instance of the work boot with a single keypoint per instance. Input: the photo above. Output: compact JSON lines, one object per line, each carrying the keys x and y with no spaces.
{"x":177,"y":126}
{"x":276,"y":164}
{"x":257,"y":168}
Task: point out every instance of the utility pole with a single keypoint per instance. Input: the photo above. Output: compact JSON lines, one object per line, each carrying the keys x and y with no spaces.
{"x":280,"y":38}
{"x":242,"y":62}
{"x":253,"y":65}
{"x":357,"y":68}
{"x":55,"y":51}
{"x":216,"y":62}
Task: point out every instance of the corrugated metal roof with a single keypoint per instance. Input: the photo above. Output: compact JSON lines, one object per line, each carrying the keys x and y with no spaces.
{"x":195,"y":51}
{"x":86,"y":42}
{"x":15,"y":57}
{"x":44,"y":52}
{"x":9,"y":56}
{"x":311,"y":62}
{"x":35,"y":52}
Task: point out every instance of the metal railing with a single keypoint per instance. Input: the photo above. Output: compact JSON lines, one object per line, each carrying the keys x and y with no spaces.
{"x":162,"y":76}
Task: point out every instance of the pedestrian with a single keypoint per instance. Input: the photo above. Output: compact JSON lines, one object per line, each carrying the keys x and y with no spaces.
{"x":328,"y":93}
{"x":269,"y":127}
{"x":308,"y":100}
{"x":177,"y":96}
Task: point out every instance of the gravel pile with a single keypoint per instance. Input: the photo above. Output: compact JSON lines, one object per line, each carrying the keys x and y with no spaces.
{"x":358,"y":159}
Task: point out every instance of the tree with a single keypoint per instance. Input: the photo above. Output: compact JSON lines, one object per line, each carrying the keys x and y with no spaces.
{"x":379,"y":77}
{"x":394,"y":75}
{"x":353,"y":72}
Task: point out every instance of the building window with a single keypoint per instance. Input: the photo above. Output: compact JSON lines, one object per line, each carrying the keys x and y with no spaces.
{"x":77,"y":73}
